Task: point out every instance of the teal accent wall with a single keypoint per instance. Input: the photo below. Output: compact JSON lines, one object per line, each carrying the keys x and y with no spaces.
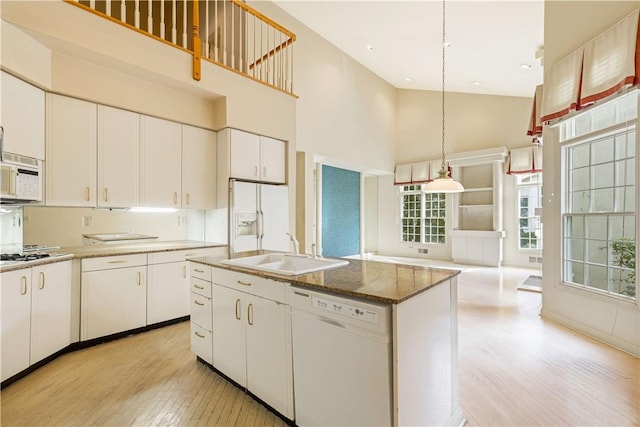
{"x":340,"y":212}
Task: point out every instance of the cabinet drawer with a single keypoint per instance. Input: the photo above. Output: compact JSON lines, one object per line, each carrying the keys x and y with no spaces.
{"x":201,"y":287}
{"x":201,"y":310}
{"x":254,"y":285}
{"x":200,"y":271}
{"x":110,"y":262}
{"x":202,"y":342}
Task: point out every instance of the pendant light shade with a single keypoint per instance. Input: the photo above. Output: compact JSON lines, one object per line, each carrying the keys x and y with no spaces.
{"x":443,"y":183}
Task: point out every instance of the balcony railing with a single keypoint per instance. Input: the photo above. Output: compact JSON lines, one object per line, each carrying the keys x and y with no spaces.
{"x":226,"y":32}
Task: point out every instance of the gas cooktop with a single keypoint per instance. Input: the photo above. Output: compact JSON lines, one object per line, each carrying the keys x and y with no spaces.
{"x":23,"y":257}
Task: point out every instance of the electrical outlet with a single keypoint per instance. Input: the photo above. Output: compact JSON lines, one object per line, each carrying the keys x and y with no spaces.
{"x":86,"y":220}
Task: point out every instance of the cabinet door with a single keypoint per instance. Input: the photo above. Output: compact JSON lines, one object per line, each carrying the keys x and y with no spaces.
{"x":112,"y":301}
{"x":168,"y":292}
{"x":272,"y":156}
{"x":118,"y":157}
{"x":15,"y":326}
{"x":70,"y":167}
{"x":160,"y":163}
{"x":198,"y":168}
{"x":245,"y":155}
{"x":50,"y":309}
{"x":269,"y":365}
{"x":22,"y":117}
{"x":229,"y":348}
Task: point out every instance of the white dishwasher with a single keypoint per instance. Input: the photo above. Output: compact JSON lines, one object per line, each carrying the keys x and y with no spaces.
{"x":342,"y":360}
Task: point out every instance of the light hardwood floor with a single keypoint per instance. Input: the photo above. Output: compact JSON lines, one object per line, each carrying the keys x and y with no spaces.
{"x":516,"y":369}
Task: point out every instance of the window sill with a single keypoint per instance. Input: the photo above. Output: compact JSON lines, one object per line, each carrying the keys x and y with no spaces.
{"x":599,"y":293}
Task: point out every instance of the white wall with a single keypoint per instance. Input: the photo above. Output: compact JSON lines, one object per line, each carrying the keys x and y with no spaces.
{"x":609,"y":319}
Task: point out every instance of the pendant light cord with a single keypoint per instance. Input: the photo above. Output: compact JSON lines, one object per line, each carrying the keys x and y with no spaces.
{"x":443,"y":170}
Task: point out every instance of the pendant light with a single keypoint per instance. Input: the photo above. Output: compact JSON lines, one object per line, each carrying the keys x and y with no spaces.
{"x":443,"y":183}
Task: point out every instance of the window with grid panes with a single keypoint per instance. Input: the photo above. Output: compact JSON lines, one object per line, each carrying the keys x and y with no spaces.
{"x":423,"y":215}
{"x":599,"y":214}
{"x":529,"y":203}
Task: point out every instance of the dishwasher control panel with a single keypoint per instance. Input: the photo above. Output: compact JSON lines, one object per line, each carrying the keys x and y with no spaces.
{"x":348,"y":310}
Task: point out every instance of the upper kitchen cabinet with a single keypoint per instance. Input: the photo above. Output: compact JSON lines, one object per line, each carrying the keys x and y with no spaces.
{"x":253,"y":157}
{"x":22,"y":119}
{"x":70,"y":167}
{"x":118,"y":157}
{"x":160,"y":163}
{"x":198,"y":168}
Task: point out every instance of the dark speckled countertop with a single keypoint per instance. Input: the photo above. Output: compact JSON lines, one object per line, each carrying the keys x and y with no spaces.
{"x":377,"y":281}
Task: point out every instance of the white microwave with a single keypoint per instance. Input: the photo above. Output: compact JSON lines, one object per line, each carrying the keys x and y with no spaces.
{"x":21,"y":179}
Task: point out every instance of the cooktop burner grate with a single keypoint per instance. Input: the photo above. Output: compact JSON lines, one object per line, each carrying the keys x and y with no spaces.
{"x":21,"y":257}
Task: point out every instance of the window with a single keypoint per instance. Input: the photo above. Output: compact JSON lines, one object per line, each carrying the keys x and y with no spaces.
{"x":529,"y":205}
{"x":423,"y":215}
{"x":599,"y":219}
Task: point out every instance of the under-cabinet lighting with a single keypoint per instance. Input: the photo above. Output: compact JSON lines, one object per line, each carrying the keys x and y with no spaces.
{"x":153,"y":210}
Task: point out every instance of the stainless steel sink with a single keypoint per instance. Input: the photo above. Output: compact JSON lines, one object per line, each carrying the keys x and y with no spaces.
{"x":286,"y":264}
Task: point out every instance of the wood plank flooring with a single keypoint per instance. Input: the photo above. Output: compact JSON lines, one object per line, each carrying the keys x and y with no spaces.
{"x":516,"y":369}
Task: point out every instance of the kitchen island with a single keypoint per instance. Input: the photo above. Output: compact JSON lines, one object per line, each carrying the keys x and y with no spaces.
{"x":361,"y":344}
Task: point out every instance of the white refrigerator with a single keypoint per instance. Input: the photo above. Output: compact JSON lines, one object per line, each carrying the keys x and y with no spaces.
{"x":258,"y":217}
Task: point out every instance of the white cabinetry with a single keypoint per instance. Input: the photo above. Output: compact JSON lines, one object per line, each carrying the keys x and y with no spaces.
{"x":70,"y":166}
{"x":477,"y":232}
{"x":36,"y":315}
{"x":201,"y":312}
{"x":160,"y":163}
{"x":251,"y":336}
{"x":198,"y":168}
{"x":22,"y":117}
{"x":168,"y":290}
{"x":113,"y":295}
{"x":118,"y":157}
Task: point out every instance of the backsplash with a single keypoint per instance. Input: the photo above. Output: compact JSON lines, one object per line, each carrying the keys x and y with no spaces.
{"x":65,"y":226}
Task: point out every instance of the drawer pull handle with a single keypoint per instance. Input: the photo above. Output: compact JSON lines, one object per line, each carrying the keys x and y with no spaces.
{"x":24,"y":286}
{"x":198,"y":271}
{"x":120,"y":261}
{"x":301,"y":294}
{"x":198,"y":287}
{"x":190,"y":255}
{"x":238,"y":309}
{"x":198,"y":303}
{"x":198,"y":334}
{"x":106,"y":194}
{"x":255,"y":171}
{"x":250,"y":314}
{"x":240,"y":282}
{"x":41,"y":280}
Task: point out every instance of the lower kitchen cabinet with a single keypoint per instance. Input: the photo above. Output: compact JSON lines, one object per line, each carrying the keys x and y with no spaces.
{"x":36,"y":315}
{"x":251,"y":338}
{"x":113,"y":295}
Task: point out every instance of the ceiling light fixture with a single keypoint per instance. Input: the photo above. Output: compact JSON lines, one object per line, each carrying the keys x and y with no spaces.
{"x":369,"y":47}
{"x":525,"y":66}
{"x":443,"y":183}
{"x":477,"y":82}
{"x":408,"y":79}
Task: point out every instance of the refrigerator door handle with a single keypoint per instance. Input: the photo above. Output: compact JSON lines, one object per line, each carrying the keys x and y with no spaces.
{"x":261,"y":224}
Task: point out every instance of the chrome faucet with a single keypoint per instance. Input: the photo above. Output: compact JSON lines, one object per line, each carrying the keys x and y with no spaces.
{"x":296,"y":245}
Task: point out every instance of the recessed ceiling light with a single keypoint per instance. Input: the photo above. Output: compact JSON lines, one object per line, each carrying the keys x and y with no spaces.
{"x":525,"y":66}
{"x":477,"y":83}
{"x":408,"y":79}
{"x":369,"y":47}
{"x":446,"y":44}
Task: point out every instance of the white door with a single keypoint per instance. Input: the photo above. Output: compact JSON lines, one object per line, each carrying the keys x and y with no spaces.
{"x":118,"y":157}
{"x":15,"y":321}
{"x":198,"y":168}
{"x":269,"y":369}
{"x":113,"y":301}
{"x":272,"y":158}
{"x":71,"y":152}
{"x":22,"y":117}
{"x":245,"y":155}
{"x":168,"y":292}
{"x":229,"y":345}
{"x":244,"y":217}
{"x":50,"y":309}
{"x":160,"y":163}
{"x":274,"y":209}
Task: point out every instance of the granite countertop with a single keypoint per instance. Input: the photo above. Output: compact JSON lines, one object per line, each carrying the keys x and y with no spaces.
{"x":377,"y":281}
{"x":94,"y":251}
